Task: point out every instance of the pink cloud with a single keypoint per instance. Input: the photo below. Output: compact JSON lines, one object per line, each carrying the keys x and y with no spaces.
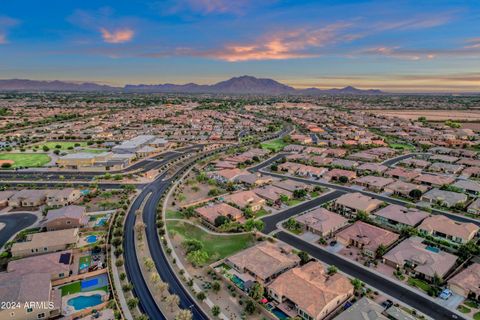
{"x":284,"y":45}
{"x":117,"y":36}
{"x":210,"y":6}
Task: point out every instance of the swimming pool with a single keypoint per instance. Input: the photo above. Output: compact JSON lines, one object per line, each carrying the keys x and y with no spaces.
{"x":101,"y":222}
{"x":83,"y":302}
{"x":280,"y":314}
{"x":91,"y":238}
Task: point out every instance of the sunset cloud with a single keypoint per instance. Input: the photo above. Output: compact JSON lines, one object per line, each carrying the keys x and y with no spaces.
{"x":299,"y":43}
{"x":203,"y":7}
{"x":423,"y":22}
{"x":117,"y":36}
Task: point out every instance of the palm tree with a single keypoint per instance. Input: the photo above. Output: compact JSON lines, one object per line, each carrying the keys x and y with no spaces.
{"x":184,"y":315}
{"x":173,"y":300}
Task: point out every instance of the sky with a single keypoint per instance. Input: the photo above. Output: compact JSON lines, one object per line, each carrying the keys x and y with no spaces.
{"x":396,"y":46}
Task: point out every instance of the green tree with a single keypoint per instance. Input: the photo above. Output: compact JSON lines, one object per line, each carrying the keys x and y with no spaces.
{"x":191,"y":245}
{"x":221,"y":220}
{"x":132,"y":303}
{"x":356,"y":283}
{"x":304,"y":257}
{"x":343,"y":179}
{"x":332,"y":270}
{"x":216,"y":311}
{"x":198,"y":258}
{"x":256,"y":291}
{"x":299,"y":193}
{"x":415,"y":194}
{"x":380,"y":251}
{"x":216,"y":286}
{"x":250,"y":307}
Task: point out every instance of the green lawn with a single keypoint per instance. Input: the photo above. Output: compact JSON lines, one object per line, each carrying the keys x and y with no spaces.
{"x":26,"y":159}
{"x":402,"y":146}
{"x":173,"y":214}
{"x":274,"y":145}
{"x":217,"y":247}
{"x":85,"y":260}
{"x":294,"y":202}
{"x":476,"y":316}
{"x":419,"y":284}
{"x":63,"y":145}
{"x":463,"y":309}
{"x":71,"y":288}
{"x":470,"y":303}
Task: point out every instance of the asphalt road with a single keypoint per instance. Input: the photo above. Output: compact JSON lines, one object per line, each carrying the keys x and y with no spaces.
{"x":393,"y":161}
{"x":42,"y":184}
{"x":398,"y":292}
{"x":14,"y":223}
{"x":146,"y":302}
{"x":271,"y":221}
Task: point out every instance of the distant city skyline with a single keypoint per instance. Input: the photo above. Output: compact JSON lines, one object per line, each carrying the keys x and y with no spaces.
{"x":395,"y":46}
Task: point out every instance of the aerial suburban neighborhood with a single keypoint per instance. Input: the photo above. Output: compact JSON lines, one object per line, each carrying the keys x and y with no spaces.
{"x":240,"y":160}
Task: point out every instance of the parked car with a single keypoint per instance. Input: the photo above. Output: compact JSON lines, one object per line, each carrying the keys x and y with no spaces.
{"x":387,"y":303}
{"x":445,"y":294}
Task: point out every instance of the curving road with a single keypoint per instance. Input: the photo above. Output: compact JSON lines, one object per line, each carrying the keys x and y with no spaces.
{"x":146,"y":302}
{"x":14,"y":223}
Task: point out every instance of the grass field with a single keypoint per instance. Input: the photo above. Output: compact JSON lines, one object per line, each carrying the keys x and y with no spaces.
{"x":174,"y":214}
{"x":26,"y":159}
{"x":274,"y":145}
{"x":419,"y":284}
{"x":402,"y":146}
{"x":71,"y":288}
{"x":63,"y":145}
{"x":217,"y":247}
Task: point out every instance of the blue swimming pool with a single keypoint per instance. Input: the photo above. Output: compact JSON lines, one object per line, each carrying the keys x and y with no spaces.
{"x":83,"y":302}
{"x":91,"y":239}
{"x":280,"y":314}
{"x":101,"y":222}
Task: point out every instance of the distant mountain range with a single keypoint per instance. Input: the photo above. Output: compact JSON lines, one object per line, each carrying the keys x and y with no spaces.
{"x":236,"y":85}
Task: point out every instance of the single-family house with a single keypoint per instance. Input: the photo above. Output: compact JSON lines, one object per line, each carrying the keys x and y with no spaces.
{"x":444,"y":198}
{"x":272,"y":193}
{"x":57,"y":264}
{"x":434,"y":180}
{"x":420,"y":259}
{"x":211,"y":211}
{"x":66,"y":218}
{"x":45,"y":242}
{"x":467,"y":282}
{"x":245,"y":199}
{"x":445,"y":228}
{"x":363,"y":309}
{"x":400,"y":217}
{"x":350,"y":204}
{"x":368,"y":238}
{"x":322,"y":222}
{"x":310,"y":291}
{"x":468,"y":186}
{"x":373,"y":183}
{"x":336,"y":174}
{"x":265,"y":261}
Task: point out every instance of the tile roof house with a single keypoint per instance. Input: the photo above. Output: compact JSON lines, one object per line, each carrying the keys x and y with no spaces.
{"x":468,"y":186}
{"x":211,"y":211}
{"x":372,"y":168}
{"x":366,"y":237}
{"x":5,"y":196}
{"x":424,"y":261}
{"x":443,"y":197}
{"x":265,"y":261}
{"x":27,"y":198}
{"x":363,"y":309}
{"x":402,"y":174}
{"x":245,"y":199}
{"x":26,"y":288}
{"x":57,"y":264}
{"x":311,"y":292}
{"x":335,"y":174}
{"x":400,"y":216}
{"x":253,"y":179}
{"x":404,"y":188}
{"x":474,"y":207}
{"x":272,"y":193}
{"x":45,"y":242}
{"x":434,"y":180}
{"x":322,"y":222}
{"x":445,"y":228}
{"x":66,"y":217}
{"x":446,"y":168}
{"x":350,"y":204}
{"x":291,"y":185}
{"x":373,"y":183}
{"x":467,"y":282}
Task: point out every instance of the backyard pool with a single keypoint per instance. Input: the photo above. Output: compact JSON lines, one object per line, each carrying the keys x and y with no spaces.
{"x":91,"y":238}
{"x":280,"y":314}
{"x":101,"y":222}
{"x":83,"y":302}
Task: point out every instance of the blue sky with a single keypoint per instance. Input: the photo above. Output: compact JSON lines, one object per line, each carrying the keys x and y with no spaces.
{"x":391,"y":45}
